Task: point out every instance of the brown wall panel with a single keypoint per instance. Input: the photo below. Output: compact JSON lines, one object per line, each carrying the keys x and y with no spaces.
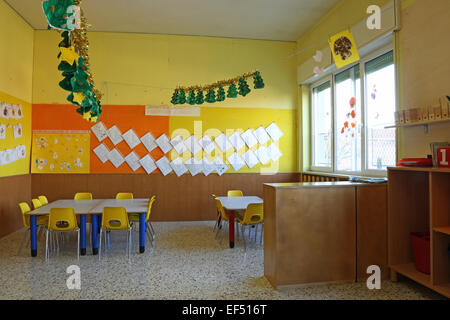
{"x":184,"y":198}
{"x":13,"y":190}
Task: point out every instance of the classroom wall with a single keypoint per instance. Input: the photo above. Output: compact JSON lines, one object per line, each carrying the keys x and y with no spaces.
{"x":16,"y":65}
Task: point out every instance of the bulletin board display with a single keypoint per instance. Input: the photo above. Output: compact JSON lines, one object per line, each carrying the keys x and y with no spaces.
{"x":15,"y":136}
{"x":61,"y":152}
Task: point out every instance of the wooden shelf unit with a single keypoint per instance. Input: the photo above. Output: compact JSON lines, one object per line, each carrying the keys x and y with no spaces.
{"x":419,"y":200}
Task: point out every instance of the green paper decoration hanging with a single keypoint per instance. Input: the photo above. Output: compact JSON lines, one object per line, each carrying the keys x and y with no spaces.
{"x":191,"y":98}
{"x":199,"y":98}
{"x":181,"y":97}
{"x":243,"y":87}
{"x":210,"y":96}
{"x":65,"y":42}
{"x":220,"y":94}
{"x":232,"y":91}
{"x":258,"y":81}
{"x":58,"y":14}
{"x":66,"y":83}
{"x":174,"y":97}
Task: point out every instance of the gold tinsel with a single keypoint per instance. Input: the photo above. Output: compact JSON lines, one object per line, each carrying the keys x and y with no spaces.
{"x":217,"y":84}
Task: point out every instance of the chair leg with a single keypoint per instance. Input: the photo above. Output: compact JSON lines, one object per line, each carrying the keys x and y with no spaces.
{"x":23,"y":240}
{"x":78,"y":247}
{"x":100,"y":245}
{"x":243,"y":237}
{"x":223,"y":234}
{"x":46,"y":246}
{"x":256,"y":232}
{"x":262,"y":232}
{"x":149,"y":236}
{"x":153,"y":230}
{"x":219,"y":228}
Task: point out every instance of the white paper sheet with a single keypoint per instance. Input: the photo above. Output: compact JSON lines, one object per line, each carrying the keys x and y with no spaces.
{"x":221,"y":167}
{"x":237,"y":141}
{"x":208,"y":166}
{"x":261,"y":135}
{"x":116,"y":157}
{"x":164,"y":165}
{"x":102,"y":152}
{"x":193,"y":145}
{"x":18,"y":131}
{"x":2,"y":131}
{"x":133,"y":161}
{"x":100,"y":131}
{"x":207,"y":144}
{"x":274,"y":131}
{"x":249,"y":138}
{"x":163,"y":143}
{"x":115,"y":135}
{"x":236,"y":161}
{"x":194,"y":166}
{"x":149,"y":141}
{"x":4,"y":111}
{"x":178,"y":144}
{"x":178,"y":167}
{"x":131,"y":139}
{"x":148,"y":164}
{"x":223,"y":142}
{"x":21,"y":151}
{"x":274,"y":152}
{"x":250,"y":159}
{"x":262,"y":155}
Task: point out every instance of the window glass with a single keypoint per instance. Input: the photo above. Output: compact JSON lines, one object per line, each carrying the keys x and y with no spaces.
{"x":322,"y":126}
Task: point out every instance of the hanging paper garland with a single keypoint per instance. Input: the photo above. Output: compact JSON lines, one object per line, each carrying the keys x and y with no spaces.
{"x":191,"y":98}
{"x":210,"y":96}
{"x":220,"y":94}
{"x":73,"y":57}
{"x":258,"y":81}
{"x":199,"y":99}
{"x":232,"y":91}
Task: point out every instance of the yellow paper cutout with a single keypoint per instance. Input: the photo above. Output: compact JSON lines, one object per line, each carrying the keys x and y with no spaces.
{"x":343,"y":48}
{"x":69,"y":55}
{"x":78,"y":97}
{"x":60,"y":153}
{"x":86,"y":115}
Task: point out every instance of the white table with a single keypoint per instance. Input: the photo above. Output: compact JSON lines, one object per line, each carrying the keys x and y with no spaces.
{"x":93,"y":208}
{"x":232,"y":204}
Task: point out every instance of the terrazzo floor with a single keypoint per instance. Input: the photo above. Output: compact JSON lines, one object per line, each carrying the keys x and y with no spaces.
{"x":187,"y":262}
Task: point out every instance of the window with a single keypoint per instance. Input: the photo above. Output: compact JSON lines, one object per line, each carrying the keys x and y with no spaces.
{"x":350,"y":111}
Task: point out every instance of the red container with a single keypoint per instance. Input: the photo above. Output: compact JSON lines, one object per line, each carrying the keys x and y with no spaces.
{"x":444,"y":157}
{"x":421,"y":248}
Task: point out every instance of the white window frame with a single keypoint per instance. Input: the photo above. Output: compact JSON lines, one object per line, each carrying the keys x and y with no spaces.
{"x":364,"y":167}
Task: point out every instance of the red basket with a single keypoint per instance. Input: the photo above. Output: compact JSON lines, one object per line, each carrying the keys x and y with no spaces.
{"x":421,"y":248}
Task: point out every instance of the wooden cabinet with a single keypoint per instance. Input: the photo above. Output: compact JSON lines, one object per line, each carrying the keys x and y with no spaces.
{"x":419,"y":200}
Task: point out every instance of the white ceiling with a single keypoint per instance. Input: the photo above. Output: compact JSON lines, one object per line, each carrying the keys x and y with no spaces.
{"x":283,"y":20}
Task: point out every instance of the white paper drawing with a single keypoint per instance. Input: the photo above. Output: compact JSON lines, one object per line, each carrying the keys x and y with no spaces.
{"x":274,"y":131}
{"x":100,"y":131}
{"x":21,"y":152}
{"x":149,"y":141}
{"x":178,"y":167}
{"x":2,"y":131}
{"x":262,"y":155}
{"x":133,"y":161}
{"x":261,"y":135}
{"x":4,"y":111}
{"x":102,"y":152}
{"x":194,"y":166}
{"x":115,"y":135}
{"x":116,"y":157}
{"x":207,"y":144}
{"x":223,"y":142}
{"x":236,"y":161}
{"x":164,"y":165}
{"x":250,"y":159}
{"x":249,"y":138}
{"x":208,"y":166}
{"x":178,"y":144}
{"x":18,"y":131}
{"x":221,"y":167}
{"x":237,"y":141}
{"x":148,"y":164}
{"x":131,"y":139}
{"x":163,"y":143}
{"x":193,"y":145}
{"x":274,"y":152}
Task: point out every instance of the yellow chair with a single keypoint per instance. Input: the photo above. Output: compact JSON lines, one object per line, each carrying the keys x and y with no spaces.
{"x":217,"y":211}
{"x":83,"y":196}
{"x":223,"y":216}
{"x":124,"y":195}
{"x":43,"y":200}
{"x":235,"y":193}
{"x":149,"y":228}
{"x":42,"y":221}
{"x":61,"y":220}
{"x":36,"y":203}
{"x":253,"y":216}
{"x":115,"y":218}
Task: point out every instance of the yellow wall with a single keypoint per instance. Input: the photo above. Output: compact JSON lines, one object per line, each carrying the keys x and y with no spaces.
{"x":143,"y":69}
{"x":16,"y":68}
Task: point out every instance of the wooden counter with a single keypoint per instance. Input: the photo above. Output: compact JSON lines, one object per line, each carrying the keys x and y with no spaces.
{"x":323,"y":231}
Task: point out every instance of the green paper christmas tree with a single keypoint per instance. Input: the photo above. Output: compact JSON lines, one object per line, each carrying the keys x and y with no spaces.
{"x":232,"y":91}
{"x":66,"y":83}
{"x":210,"y":96}
{"x":174,"y":97}
{"x":199,"y":98}
{"x":80,"y":78}
{"x":65,"y":42}
{"x":258,"y":81}
{"x":181,"y":98}
{"x":243,"y":87}
{"x":220,"y":94}
{"x":56,"y":13}
{"x":191,"y":98}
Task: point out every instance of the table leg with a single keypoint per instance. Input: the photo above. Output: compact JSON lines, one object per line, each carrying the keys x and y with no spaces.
{"x":94,"y":220}
{"x":33,"y":235}
{"x":142,"y":232}
{"x":231,"y":227}
{"x":83,"y":234}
